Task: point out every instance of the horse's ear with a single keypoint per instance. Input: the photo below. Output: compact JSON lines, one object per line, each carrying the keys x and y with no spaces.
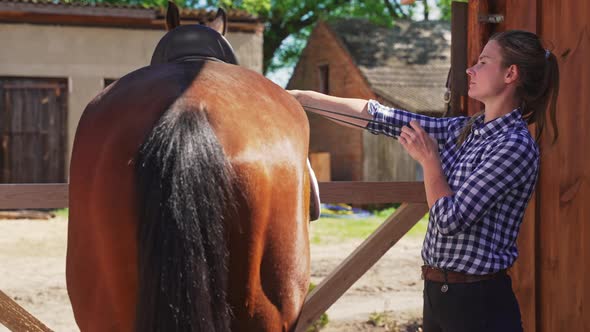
{"x":219,"y":24}
{"x":172,"y":16}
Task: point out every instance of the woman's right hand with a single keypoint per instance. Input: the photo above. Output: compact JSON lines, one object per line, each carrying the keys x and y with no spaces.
{"x":297,"y":94}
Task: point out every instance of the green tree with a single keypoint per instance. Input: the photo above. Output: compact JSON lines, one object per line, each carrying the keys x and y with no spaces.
{"x":295,"y":18}
{"x":445,"y":8}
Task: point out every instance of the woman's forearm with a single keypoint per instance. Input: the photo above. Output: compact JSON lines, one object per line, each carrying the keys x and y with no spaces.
{"x":315,"y":102}
{"x":435,"y":182}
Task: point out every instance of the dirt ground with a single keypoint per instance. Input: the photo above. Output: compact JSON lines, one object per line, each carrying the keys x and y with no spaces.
{"x":32,"y":271}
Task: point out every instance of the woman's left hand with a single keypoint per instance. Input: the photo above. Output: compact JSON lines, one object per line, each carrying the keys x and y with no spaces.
{"x":421,"y":146}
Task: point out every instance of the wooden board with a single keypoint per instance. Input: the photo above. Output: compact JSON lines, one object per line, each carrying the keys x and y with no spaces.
{"x":23,"y":196}
{"x":320,"y":163}
{"x":33,"y":196}
{"x":361,"y":260}
{"x":16,"y":318}
{"x":458,"y":79}
{"x":564,"y":211}
{"x":33,"y":113}
{"x":522,"y":15}
{"x":372,"y":192}
{"x":478,"y":35}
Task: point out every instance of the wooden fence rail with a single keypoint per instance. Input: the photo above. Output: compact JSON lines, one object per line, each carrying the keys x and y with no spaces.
{"x":361,"y":260}
{"x":55,"y":195}
{"x":16,"y":318}
{"x":36,"y":196}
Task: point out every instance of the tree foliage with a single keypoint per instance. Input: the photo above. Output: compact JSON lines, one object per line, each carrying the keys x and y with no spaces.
{"x":295,"y":18}
{"x":292,"y":20}
{"x":445,"y":8}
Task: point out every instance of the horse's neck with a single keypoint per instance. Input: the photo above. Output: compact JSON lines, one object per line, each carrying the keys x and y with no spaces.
{"x":193,"y":42}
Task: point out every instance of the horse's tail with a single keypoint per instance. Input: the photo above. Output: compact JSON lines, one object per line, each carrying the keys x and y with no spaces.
{"x":185,"y":185}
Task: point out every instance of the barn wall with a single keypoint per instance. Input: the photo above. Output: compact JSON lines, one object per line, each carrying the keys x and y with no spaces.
{"x":552,"y":275}
{"x":355,"y":155}
{"x":563,"y":212}
{"x":87,"y":55}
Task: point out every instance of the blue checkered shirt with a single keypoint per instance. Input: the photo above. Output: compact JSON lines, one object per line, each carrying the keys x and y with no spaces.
{"x":492,"y":176}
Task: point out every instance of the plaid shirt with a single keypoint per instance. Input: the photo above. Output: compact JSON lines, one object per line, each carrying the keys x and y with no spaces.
{"x":492,"y":176}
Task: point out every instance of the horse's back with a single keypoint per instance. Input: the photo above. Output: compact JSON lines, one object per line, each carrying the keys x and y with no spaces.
{"x":264,"y":135}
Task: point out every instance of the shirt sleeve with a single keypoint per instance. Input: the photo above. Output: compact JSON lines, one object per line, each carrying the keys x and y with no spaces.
{"x":389,"y":121}
{"x":510,"y":164}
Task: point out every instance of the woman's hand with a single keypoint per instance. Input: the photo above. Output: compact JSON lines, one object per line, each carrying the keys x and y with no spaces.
{"x":298,"y":94}
{"x":421,"y":146}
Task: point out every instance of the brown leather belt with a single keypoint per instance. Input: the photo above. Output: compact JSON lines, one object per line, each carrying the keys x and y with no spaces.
{"x":449,"y":277}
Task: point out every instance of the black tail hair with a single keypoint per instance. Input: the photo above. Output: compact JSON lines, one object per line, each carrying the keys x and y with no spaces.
{"x":184,"y":185}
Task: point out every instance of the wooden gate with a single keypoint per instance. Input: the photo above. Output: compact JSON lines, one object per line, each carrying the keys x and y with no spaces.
{"x":33,"y":127}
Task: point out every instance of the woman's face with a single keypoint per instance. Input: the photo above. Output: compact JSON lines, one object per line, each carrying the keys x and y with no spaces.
{"x":488,"y":78}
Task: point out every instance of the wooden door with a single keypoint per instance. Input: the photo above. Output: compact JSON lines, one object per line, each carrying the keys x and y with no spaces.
{"x":33,"y":130}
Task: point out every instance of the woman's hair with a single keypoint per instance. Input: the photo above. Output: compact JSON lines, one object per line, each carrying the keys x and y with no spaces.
{"x":538,"y":80}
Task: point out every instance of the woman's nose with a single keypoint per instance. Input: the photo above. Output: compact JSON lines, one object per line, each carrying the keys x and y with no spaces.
{"x":470,"y":71}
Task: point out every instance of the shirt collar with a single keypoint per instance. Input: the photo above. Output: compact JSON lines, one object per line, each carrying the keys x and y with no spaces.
{"x":500,"y":124}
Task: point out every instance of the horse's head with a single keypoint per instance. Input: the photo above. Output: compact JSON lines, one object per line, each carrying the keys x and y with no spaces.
{"x":193,"y":42}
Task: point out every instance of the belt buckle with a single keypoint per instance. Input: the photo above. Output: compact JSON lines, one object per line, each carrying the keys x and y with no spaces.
{"x":445,"y":287}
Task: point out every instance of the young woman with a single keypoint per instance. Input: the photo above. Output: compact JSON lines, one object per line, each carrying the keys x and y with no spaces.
{"x":479,"y":175}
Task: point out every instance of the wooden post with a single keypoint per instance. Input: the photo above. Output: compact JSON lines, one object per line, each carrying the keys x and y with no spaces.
{"x":478,"y":34}
{"x":361,"y":260}
{"x":320,"y":163}
{"x":458,"y":79}
{"x":16,"y":318}
{"x":522,"y":15}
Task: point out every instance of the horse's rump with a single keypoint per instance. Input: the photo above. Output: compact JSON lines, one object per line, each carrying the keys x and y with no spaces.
{"x":263,"y":134}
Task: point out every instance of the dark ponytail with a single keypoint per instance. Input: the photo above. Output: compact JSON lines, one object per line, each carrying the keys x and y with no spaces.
{"x":538,"y":85}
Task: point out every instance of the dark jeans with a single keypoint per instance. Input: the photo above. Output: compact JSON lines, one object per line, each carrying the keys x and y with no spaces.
{"x":484,"y":306}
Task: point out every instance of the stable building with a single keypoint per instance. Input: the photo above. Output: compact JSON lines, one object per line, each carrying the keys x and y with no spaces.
{"x":56,"y":57}
{"x":403,"y":66}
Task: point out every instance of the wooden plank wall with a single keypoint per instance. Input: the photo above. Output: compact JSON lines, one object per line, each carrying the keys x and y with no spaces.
{"x":478,"y":35}
{"x":522,"y":15}
{"x":563,"y":211}
{"x":551,"y":276}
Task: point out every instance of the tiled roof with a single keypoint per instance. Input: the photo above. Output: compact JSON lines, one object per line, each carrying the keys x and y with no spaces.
{"x":72,"y":4}
{"x":407,"y":64}
{"x":116,"y":10}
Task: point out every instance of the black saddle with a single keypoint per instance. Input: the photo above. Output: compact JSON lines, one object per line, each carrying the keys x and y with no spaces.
{"x":193,"y":42}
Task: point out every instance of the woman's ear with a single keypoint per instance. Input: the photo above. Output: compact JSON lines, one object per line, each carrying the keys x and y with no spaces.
{"x":172,"y":16}
{"x":219,"y":24}
{"x":512,"y":74}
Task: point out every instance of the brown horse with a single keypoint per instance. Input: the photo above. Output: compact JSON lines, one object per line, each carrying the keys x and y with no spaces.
{"x":189,"y":196}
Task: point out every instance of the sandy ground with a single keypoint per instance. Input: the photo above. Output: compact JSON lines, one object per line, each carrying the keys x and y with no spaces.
{"x":32,"y":271}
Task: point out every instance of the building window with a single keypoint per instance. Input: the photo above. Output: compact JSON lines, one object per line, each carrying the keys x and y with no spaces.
{"x":324,"y":79}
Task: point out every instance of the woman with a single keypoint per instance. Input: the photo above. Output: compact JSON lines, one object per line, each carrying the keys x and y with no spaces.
{"x":479,"y":175}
